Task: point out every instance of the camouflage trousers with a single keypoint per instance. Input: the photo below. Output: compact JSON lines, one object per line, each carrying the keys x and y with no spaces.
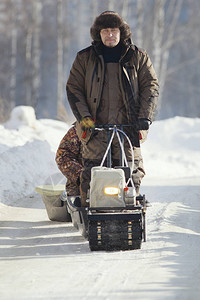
{"x":69,"y":162}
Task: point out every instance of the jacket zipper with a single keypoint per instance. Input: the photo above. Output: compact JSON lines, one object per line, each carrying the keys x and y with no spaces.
{"x":94,"y":71}
{"x":101,"y":80}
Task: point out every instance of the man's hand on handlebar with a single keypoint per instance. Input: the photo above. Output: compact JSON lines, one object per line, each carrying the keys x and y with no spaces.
{"x":87,"y":123}
{"x":143,"y":124}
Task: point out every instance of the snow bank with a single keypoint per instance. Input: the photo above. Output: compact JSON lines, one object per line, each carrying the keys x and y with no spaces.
{"x":27,"y":153}
{"x":172,"y":149}
{"x":21,"y":115}
{"x":24,"y":167}
{"x":28,"y":146}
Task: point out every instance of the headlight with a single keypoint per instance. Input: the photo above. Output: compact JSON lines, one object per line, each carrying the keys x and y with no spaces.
{"x":111,"y":190}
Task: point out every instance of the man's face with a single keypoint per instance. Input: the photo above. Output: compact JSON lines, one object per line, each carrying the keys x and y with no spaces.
{"x":110,"y":36}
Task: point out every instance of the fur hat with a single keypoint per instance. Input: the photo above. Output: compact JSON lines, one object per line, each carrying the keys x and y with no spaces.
{"x":110,"y":19}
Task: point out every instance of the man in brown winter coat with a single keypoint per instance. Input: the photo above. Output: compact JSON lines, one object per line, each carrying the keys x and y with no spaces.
{"x":111,"y":82}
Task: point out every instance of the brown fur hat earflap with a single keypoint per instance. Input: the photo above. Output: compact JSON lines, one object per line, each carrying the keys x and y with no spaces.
{"x":110,"y":19}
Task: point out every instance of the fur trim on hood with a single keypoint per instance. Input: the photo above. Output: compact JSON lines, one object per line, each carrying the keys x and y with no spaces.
{"x":110,"y":19}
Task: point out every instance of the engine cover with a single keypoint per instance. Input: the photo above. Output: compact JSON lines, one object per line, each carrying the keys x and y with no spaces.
{"x":102,"y":177}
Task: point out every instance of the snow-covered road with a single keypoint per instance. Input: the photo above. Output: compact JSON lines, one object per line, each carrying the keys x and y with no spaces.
{"x":41,"y":259}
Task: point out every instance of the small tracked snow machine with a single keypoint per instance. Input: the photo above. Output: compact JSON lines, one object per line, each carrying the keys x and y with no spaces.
{"x":115,"y":218}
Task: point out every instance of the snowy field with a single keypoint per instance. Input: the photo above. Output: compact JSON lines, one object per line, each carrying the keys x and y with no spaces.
{"x":40,"y":259}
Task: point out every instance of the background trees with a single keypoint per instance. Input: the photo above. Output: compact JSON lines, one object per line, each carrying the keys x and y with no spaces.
{"x":39,"y":40}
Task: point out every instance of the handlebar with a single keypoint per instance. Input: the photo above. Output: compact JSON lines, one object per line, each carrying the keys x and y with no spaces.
{"x":111,"y":126}
{"x":143,"y":125}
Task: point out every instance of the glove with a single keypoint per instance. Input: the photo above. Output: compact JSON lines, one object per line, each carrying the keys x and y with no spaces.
{"x":87,"y":123}
{"x":143,"y":124}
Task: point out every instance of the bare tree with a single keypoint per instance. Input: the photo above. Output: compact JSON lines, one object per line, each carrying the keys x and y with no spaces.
{"x":124,"y":12}
{"x":140,"y":21}
{"x":94,"y":9}
{"x":111,"y":4}
{"x":37,"y":6}
{"x":28,"y":38}
{"x":13,"y":36}
{"x":158,"y":29}
{"x":169,"y":41}
{"x":165,"y":21}
{"x":27,"y":17}
{"x":59,"y":53}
